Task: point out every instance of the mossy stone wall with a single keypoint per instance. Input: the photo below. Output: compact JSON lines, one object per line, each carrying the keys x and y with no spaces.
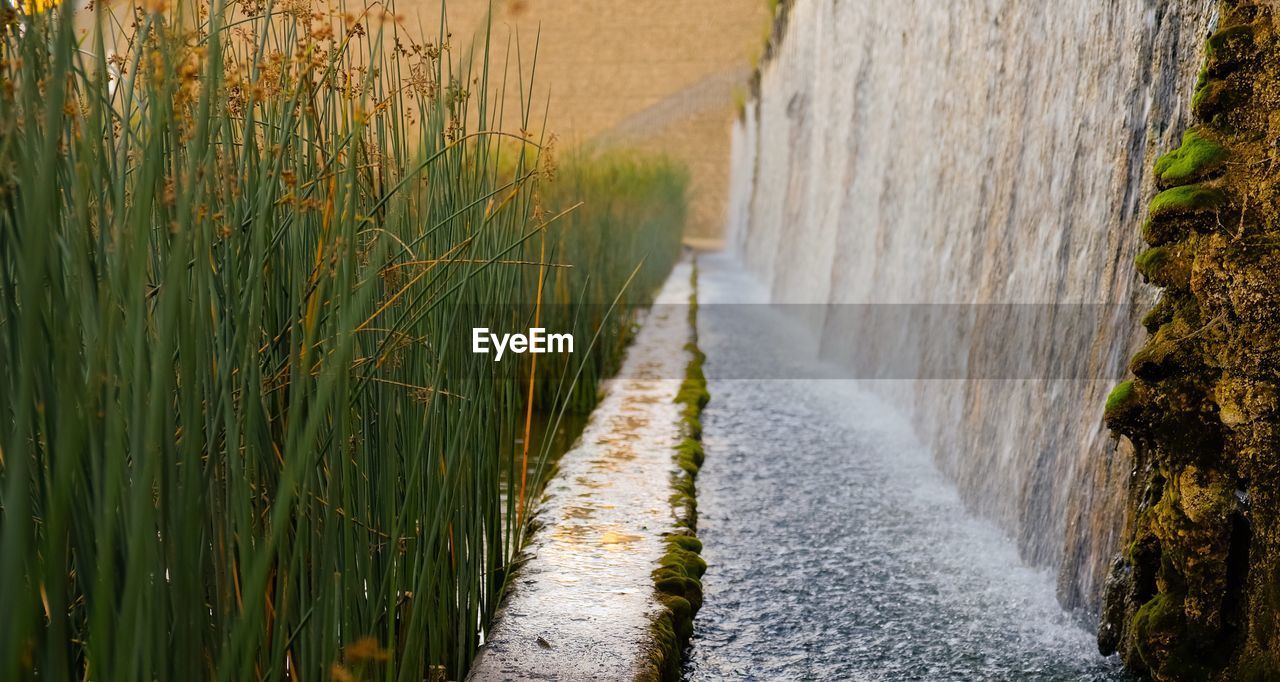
{"x":1195,"y":595}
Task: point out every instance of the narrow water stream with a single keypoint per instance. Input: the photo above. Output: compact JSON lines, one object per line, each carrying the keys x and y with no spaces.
{"x":836,"y":550}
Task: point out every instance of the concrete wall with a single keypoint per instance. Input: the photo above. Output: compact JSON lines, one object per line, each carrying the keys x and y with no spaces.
{"x":977,"y":152}
{"x":659,"y":75}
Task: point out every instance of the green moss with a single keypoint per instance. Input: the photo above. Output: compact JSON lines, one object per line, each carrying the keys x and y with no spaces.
{"x":1213,"y":96}
{"x":681,"y":586}
{"x":1160,"y":314}
{"x":670,"y":572}
{"x":1186,"y":200}
{"x":691,"y":424}
{"x":664,"y":651}
{"x":1198,"y":156}
{"x":684,"y":506}
{"x":677,"y":577}
{"x":1122,"y":411}
{"x":1163,"y":351}
{"x":1226,"y":48}
{"x":684,"y":486}
{"x":693,"y":390}
{"x":1167,"y":646}
{"x":1219,"y":40}
{"x":671,"y":631}
{"x":1165,"y":267}
{"x":1151,"y":260}
{"x":691,"y":450}
{"x":1156,"y":623}
{"x":687,"y":542}
{"x":1149,"y":362}
{"x":681,"y":616}
{"x":1184,"y":602}
{"x":1120,"y":396}
{"x":692,"y":564}
{"x":1171,"y":209}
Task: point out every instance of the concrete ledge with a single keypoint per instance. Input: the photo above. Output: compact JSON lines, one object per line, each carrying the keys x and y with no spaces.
{"x":704,"y":243}
{"x":584,"y":606}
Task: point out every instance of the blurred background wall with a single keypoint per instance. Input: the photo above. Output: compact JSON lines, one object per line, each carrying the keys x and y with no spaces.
{"x":662,"y":76}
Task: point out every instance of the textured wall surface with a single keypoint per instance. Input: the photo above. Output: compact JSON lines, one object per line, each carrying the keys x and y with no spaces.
{"x":658,"y":75}
{"x":977,"y":151}
{"x":1196,"y":592}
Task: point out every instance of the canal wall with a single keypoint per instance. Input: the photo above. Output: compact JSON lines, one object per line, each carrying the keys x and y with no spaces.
{"x":976,"y":152}
{"x":611,"y":580}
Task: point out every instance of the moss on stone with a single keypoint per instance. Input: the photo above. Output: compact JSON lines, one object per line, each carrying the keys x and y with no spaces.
{"x":1150,"y":260}
{"x":1123,"y":411}
{"x":1227,"y":48}
{"x":689,"y":542}
{"x":1213,"y":97}
{"x":1260,"y":667}
{"x":681,"y":615}
{"x":1175,"y":211}
{"x":692,"y":425}
{"x":1186,"y":200}
{"x":1184,"y":601}
{"x":693,"y":390}
{"x":1169,"y":646}
{"x":1160,"y":313}
{"x":691,"y":563}
{"x":1165,"y":351}
{"x":1164,"y":266}
{"x":1120,"y":396}
{"x":664,"y":654}
{"x":690,"y":450}
{"x":1161,"y":613}
{"x":1198,"y":156}
{"x":680,"y":586}
{"x":670,"y":572}
{"x":677,"y":578}
{"x":684,"y":485}
{"x":1156,"y":626}
{"x":684,"y":510}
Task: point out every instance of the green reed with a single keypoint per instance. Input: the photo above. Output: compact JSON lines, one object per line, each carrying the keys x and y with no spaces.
{"x":618,"y":237}
{"x":242,"y":434}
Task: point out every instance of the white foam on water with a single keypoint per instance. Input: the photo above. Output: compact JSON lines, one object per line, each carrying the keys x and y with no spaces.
{"x":836,"y":548}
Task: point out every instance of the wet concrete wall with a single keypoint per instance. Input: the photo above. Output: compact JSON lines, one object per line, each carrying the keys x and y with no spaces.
{"x":583,"y":606}
{"x":977,"y":151}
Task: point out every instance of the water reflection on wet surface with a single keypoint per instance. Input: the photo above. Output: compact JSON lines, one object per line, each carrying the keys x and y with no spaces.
{"x":582,"y":607}
{"x":836,"y":550}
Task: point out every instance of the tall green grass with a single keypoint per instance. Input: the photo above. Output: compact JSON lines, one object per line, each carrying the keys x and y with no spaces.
{"x":242,"y":434}
{"x":619,"y":206}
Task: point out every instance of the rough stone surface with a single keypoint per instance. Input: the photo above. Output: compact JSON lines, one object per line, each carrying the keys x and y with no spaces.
{"x":978,"y":151}
{"x":1195,"y":595}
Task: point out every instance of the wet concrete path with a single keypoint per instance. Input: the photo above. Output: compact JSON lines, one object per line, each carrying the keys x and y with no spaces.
{"x":582,"y":608}
{"x":836,"y":550}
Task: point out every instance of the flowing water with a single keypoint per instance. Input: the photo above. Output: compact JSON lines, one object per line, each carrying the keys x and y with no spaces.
{"x":976,"y":152}
{"x":836,"y":549}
